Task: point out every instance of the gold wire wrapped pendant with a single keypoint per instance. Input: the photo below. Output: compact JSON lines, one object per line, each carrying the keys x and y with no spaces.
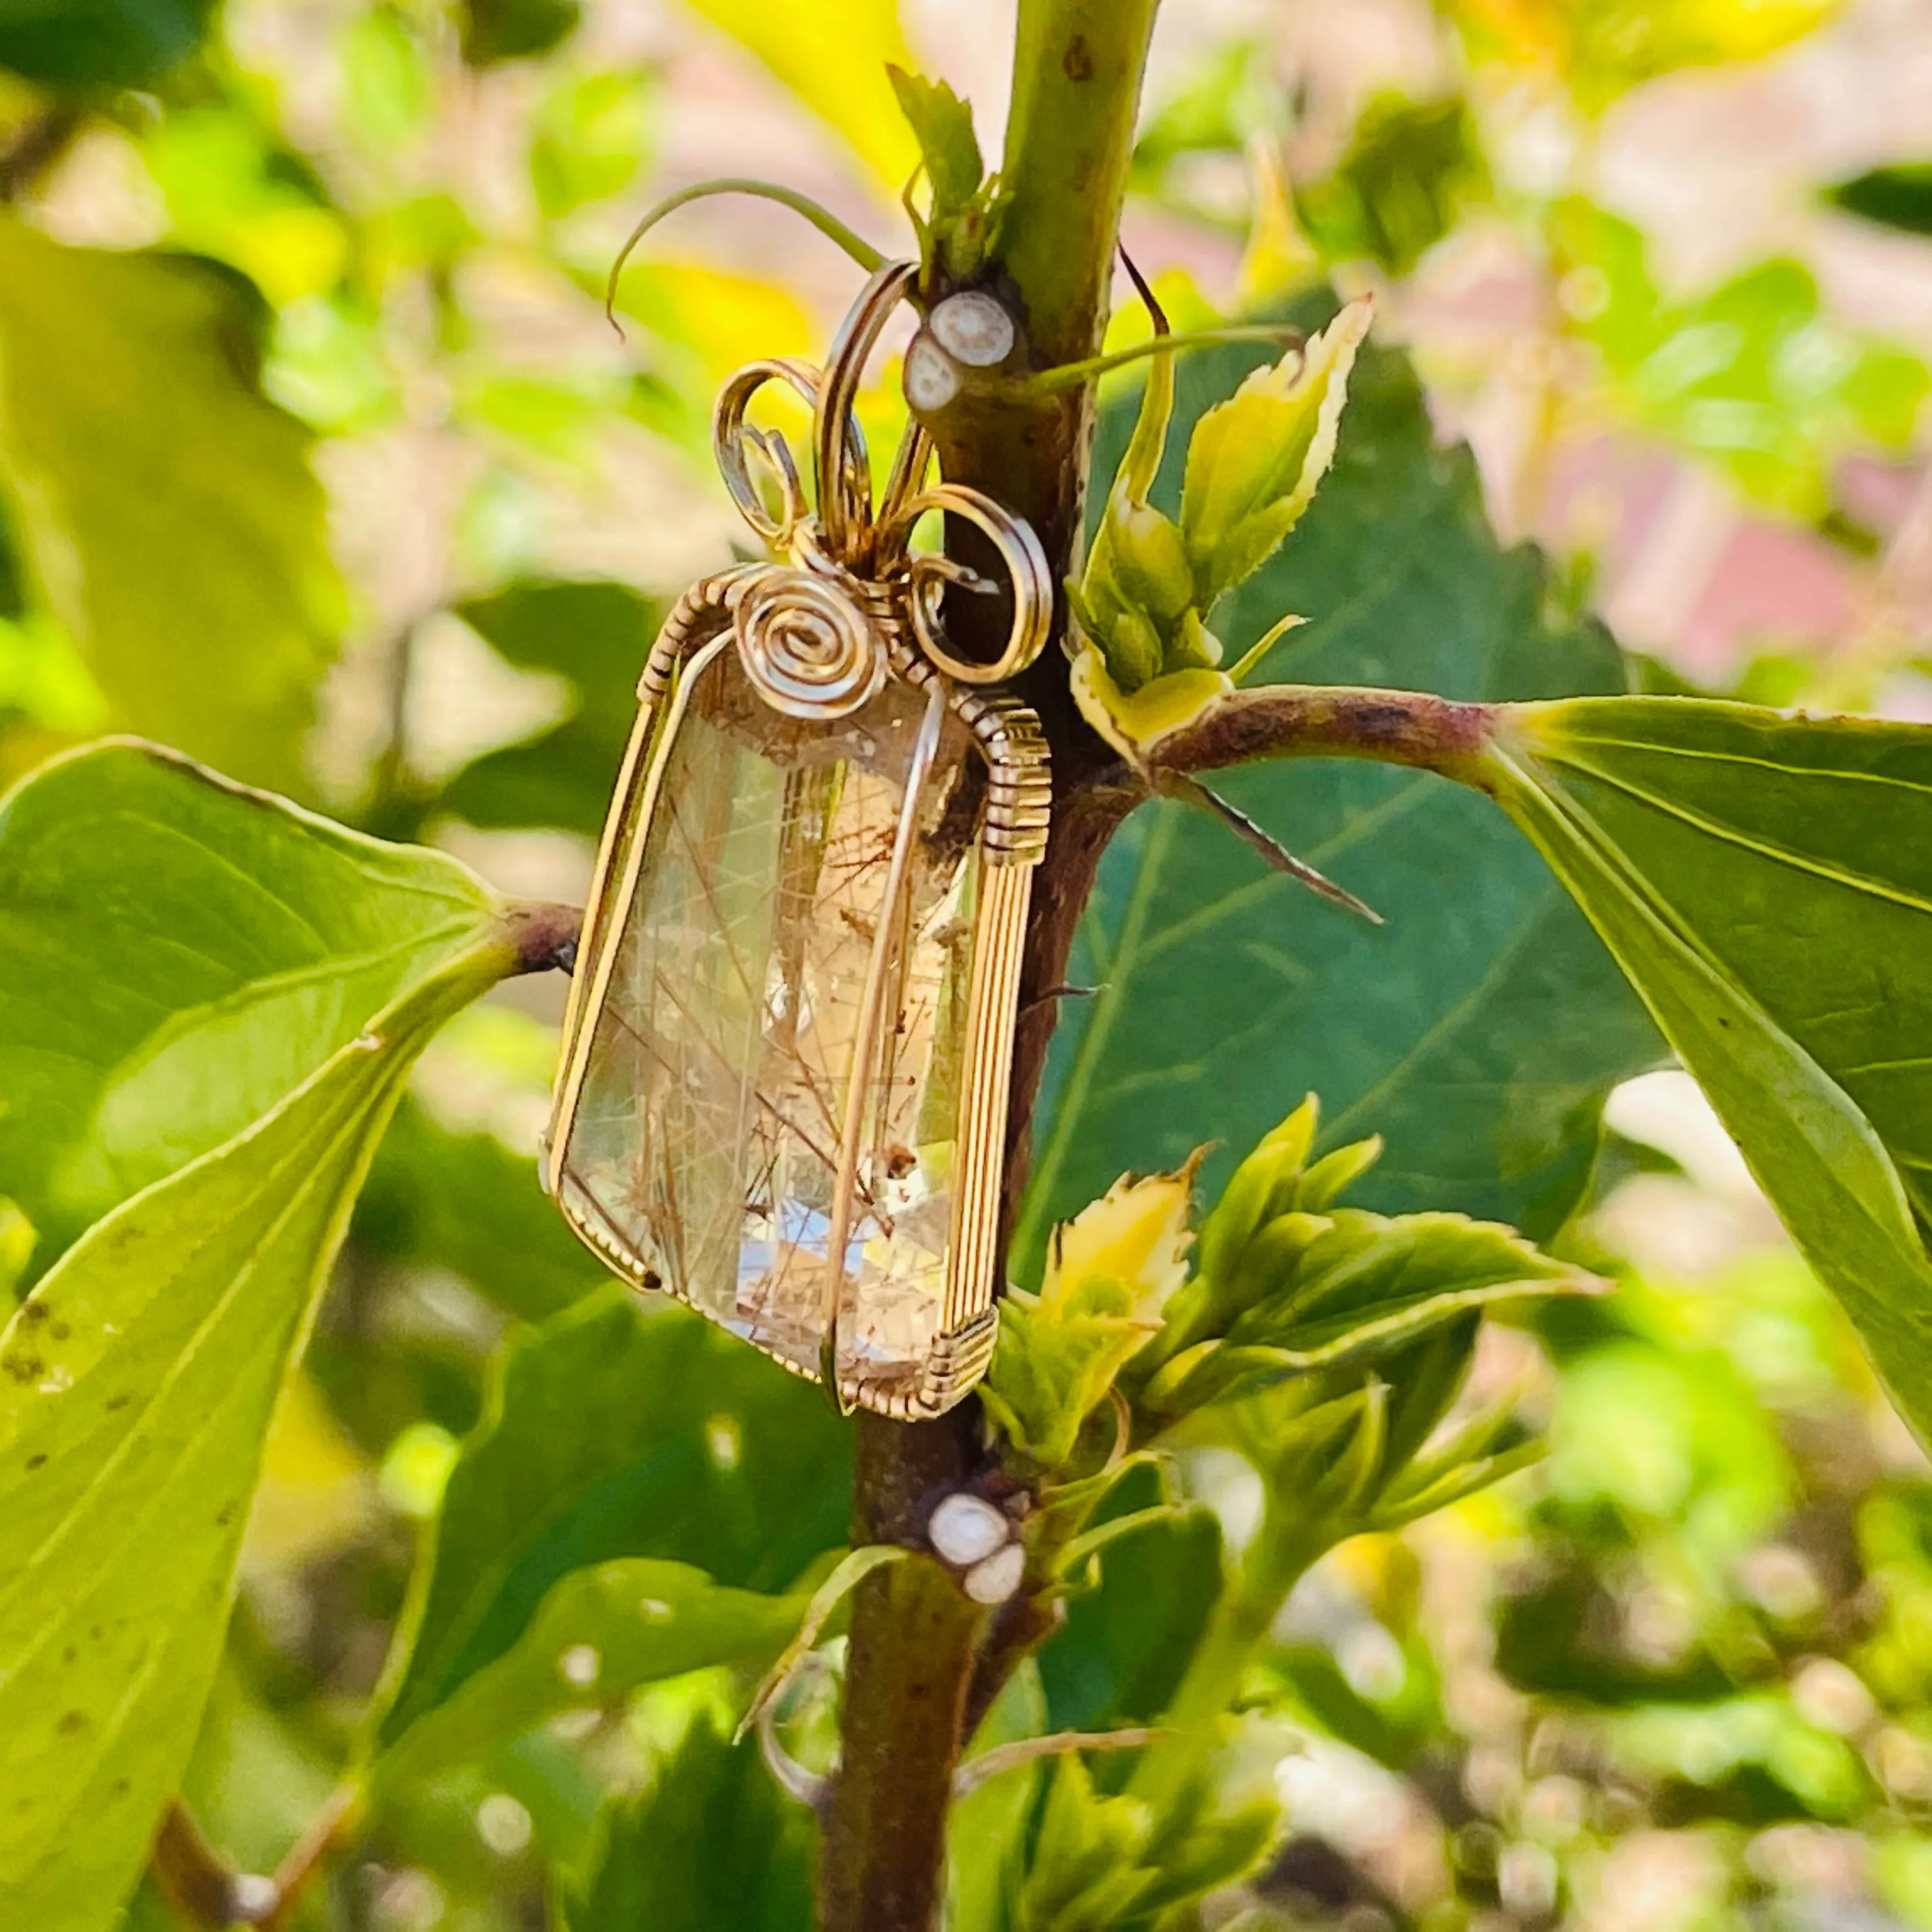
{"x":783,"y":1091}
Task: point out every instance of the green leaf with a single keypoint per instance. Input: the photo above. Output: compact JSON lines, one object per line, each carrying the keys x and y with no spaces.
{"x":135,"y":1390}
{"x":101,"y":43}
{"x":713,"y":1844}
{"x":1227,"y":96}
{"x":1554,"y":1641}
{"x":618,"y":1430}
{"x":1120,"y":1655}
{"x":986,"y":1831}
{"x":1897,"y":197}
{"x":466,"y":1203}
{"x":1086,"y":1874}
{"x":597,"y":635}
{"x":1755,"y":376}
{"x":181,"y":953}
{"x":1766,"y":882}
{"x":166,"y":511}
{"x":234,"y":191}
{"x":599,"y":1634}
{"x":1101,"y":1862}
{"x":1267,"y":1183}
{"x":1339,"y":1451}
{"x":588,"y":138}
{"x":1355,"y":1286}
{"x":1480,"y":1029}
{"x":833,"y":55}
{"x":1389,"y":1728}
{"x":1365,"y":1283}
{"x":943,"y":124}
{"x":493,"y":31}
{"x":1411,"y":168}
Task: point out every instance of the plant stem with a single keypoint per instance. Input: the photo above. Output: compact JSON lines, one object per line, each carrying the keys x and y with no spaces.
{"x":914,"y":1635}
{"x":1070,"y":136}
{"x":197,"y":1883}
{"x":1282,"y":1550}
{"x":1394,"y":727}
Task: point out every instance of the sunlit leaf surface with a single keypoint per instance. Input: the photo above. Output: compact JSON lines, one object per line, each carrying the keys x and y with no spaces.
{"x":136,"y":1389}
{"x":180,"y":954}
{"x":167,"y":509}
{"x":620,"y":1431}
{"x":833,"y":55}
{"x":1766,"y":882}
{"x":601,"y":1633}
{"x":1601,"y":48}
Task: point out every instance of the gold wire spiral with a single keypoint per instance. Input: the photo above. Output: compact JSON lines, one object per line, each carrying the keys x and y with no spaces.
{"x":808,"y":644}
{"x":818,"y":633}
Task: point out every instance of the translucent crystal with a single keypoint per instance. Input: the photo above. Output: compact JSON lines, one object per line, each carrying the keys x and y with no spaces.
{"x":706,"y":1139}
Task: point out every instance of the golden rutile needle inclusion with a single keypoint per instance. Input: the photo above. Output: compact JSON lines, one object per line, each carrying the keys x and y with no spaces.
{"x":784,"y":1092}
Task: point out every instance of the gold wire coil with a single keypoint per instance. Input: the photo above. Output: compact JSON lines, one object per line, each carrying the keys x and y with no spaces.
{"x":809,"y":647}
{"x":809,"y":666}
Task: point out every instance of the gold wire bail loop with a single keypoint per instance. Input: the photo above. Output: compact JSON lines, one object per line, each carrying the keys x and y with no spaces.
{"x":845,"y":534}
{"x":1027,"y":570}
{"x":734,"y":442}
{"x":844,"y":476}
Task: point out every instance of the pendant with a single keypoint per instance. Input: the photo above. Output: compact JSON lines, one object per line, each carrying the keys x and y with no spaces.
{"x":783,"y":1092}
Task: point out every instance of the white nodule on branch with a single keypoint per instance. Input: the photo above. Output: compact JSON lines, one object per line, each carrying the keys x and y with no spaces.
{"x":251,"y":1897}
{"x":998,"y":1577}
{"x":973,"y":328}
{"x":931,"y":377}
{"x":966,"y":1529}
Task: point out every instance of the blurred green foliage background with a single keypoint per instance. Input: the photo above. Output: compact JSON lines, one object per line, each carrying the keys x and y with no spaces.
{"x":318,"y":459}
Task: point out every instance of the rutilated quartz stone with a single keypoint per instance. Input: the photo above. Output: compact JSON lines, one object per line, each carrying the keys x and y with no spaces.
{"x":706,"y":1135}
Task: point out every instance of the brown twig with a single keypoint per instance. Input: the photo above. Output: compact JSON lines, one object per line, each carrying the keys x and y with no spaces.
{"x":205,"y":1891}
{"x":545,"y":936}
{"x":37,"y":144}
{"x":198,"y":1883}
{"x":1394,"y":727}
{"x":307,"y":1857}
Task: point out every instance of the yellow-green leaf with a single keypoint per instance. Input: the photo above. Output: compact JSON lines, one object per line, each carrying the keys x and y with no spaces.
{"x":179,"y":954}
{"x":1110,"y":1271}
{"x":167,"y":509}
{"x":136,"y":1387}
{"x":833,"y":55}
{"x":1254,"y":461}
{"x":1603,"y":47}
